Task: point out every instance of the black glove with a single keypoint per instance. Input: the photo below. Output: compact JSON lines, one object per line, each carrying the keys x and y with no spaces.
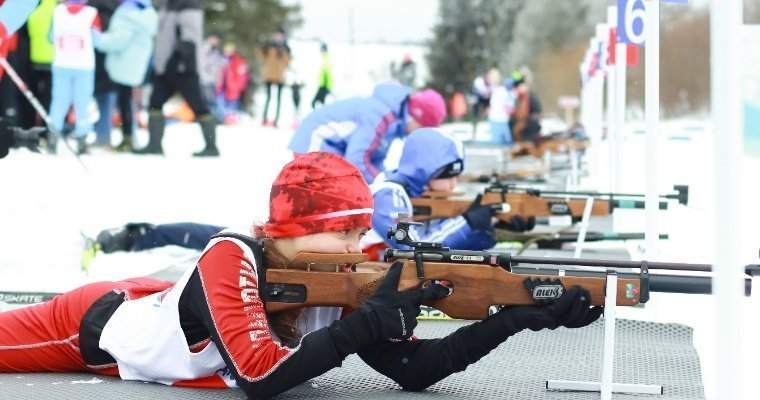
{"x":570,"y":310}
{"x":478,"y":216}
{"x":393,"y":314}
{"x":6,"y":137}
{"x":518,"y":224}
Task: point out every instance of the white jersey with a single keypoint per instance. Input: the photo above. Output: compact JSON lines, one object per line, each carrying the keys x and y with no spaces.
{"x":145,"y":338}
{"x":72,"y":37}
{"x":501,"y":104}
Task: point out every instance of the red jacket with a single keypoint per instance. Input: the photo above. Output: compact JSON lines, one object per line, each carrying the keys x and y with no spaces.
{"x":234,"y":78}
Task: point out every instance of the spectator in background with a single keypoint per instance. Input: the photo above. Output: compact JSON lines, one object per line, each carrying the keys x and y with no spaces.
{"x":275,"y":56}
{"x":9,"y":93}
{"x":74,"y":66}
{"x":295,"y":90}
{"x":128,"y":46}
{"x":458,"y":106}
{"x":500,"y":107}
{"x":177,"y":64}
{"x":105,"y":88}
{"x":232,"y":83}
{"x":361,"y":129}
{"x":325,"y":78}
{"x":213,"y":61}
{"x":481,"y":90}
{"x":406,"y":74}
{"x":13,"y":13}
{"x":525,"y":119}
{"x":41,"y":50}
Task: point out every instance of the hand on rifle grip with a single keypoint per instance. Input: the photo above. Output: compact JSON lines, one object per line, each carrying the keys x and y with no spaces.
{"x":518,"y":224}
{"x":570,"y":310}
{"x":393,"y":314}
{"x":479,"y":216}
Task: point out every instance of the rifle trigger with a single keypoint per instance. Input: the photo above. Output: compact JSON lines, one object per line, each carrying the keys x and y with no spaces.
{"x":418,"y":264}
{"x":644,"y":282}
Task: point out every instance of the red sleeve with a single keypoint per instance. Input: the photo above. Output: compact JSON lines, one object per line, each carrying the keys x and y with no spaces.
{"x":230,"y":282}
{"x":96,"y":23}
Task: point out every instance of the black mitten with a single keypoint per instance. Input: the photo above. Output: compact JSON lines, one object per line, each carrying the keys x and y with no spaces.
{"x":478,"y":216}
{"x":393,"y":314}
{"x":6,"y":137}
{"x":518,"y":224}
{"x":570,"y":310}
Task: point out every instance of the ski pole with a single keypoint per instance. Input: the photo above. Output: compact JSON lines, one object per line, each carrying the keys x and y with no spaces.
{"x":37,"y":106}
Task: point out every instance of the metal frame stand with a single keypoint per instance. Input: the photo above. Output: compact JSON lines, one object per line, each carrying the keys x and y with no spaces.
{"x":606,"y":387}
{"x":584,"y":227}
{"x":574,"y":168}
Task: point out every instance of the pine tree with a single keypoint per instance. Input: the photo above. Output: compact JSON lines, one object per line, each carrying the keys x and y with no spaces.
{"x":471,"y":37}
{"x":549,"y":25}
{"x":248,"y":22}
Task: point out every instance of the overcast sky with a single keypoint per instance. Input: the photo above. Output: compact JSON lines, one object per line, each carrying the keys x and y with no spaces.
{"x":373,"y":20}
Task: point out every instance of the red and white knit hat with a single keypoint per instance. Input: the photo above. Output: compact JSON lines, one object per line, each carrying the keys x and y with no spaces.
{"x":318,"y":192}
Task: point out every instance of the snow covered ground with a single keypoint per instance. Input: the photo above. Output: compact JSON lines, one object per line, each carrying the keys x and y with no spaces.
{"x":45,"y":201}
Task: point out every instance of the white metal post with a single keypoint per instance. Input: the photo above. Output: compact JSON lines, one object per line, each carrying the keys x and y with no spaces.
{"x":608,"y":349}
{"x":621,"y":60}
{"x":584,"y":227}
{"x":652,"y":111}
{"x":725,"y":77}
{"x":612,"y":128}
{"x":605,"y":385}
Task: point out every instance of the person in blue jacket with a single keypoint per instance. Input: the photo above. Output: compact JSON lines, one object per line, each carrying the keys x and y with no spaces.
{"x":430,"y":160}
{"x":362,"y":129}
{"x":128,"y":47}
{"x":13,"y":13}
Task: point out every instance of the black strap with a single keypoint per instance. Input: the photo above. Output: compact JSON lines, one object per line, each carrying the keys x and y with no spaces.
{"x":91,"y":327}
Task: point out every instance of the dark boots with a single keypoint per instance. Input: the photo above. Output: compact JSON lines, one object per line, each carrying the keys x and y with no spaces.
{"x":82,"y":145}
{"x":208,"y":127}
{"x":125,"y":146}
{"x":156,"y":124}
{"x":121,"y":238}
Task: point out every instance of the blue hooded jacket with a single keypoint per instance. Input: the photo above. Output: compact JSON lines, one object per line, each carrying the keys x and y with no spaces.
{"x":426,"y":150}
{"x":13,"y":13}
{"x":128,"y":43}
{"x":361,"y":129}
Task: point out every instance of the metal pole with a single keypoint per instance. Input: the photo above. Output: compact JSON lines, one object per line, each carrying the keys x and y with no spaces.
{"x":652,"y":111}
{"x":612,"y":119}
{"x":620,"y":106}
{"x":726,"y":20}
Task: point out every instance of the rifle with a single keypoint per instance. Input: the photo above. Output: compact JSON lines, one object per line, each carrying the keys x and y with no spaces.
{"x":523,"y":173}
{"x":544,"y":145}
{"x":554,"y":240}
{"x":478,"y":279}
{"x":511,"y":200}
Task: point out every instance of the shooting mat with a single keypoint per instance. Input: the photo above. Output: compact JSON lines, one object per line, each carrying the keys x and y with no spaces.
{"x":645,"y":353}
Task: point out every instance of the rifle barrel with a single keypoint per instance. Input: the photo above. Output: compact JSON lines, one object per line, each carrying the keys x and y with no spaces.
{"x":507,"y":260}
{"x":662,"y":283}
{"x":599,"y":236}
{"x":514,"y":260}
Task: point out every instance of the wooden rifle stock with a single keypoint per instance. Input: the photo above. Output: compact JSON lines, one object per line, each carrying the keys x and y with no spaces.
{"x":476,"y":287}
{"x":522,"y":204}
